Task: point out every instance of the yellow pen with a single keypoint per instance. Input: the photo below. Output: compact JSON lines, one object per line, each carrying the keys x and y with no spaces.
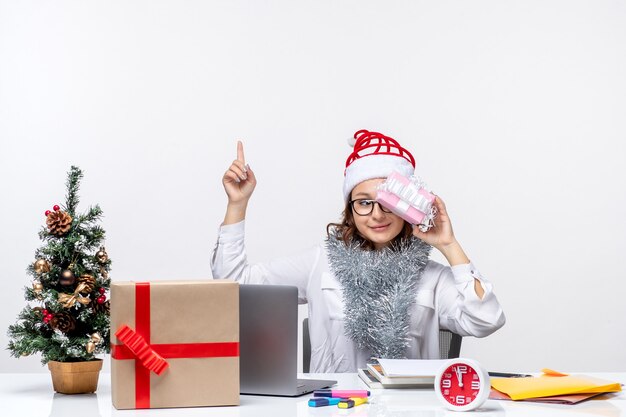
{"x":351,"y":402}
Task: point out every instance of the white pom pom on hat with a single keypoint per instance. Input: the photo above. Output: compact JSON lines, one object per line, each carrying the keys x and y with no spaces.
{"x":374,"y":156}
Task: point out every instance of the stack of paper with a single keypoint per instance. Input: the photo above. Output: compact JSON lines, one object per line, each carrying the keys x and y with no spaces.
{"x":401,"y":373}
{"x":552,"y":388}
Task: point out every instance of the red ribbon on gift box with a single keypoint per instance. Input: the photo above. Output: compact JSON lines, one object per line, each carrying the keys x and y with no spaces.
{"x":150,"y":357}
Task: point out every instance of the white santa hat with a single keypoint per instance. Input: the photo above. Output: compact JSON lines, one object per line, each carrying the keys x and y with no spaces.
{"x":375,"y":156}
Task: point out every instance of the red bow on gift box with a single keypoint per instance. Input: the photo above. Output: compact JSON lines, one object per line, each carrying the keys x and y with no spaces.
{"x":142,"y":350}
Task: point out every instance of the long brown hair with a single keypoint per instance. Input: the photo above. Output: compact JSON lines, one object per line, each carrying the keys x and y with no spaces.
{"x":347,"y":232}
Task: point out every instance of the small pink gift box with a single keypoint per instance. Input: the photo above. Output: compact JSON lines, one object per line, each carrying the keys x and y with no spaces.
{"x":407,"y":198}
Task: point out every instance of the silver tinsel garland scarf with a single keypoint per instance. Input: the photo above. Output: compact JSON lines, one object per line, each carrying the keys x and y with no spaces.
{"x":379,"y":287}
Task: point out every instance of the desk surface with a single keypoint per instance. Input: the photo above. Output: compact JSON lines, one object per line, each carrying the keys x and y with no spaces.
{"x":32,"y":395}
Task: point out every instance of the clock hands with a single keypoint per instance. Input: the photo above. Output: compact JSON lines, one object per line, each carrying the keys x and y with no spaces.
{"x":458,"y":376}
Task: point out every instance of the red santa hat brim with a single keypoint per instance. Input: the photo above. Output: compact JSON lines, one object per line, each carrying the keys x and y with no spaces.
{"x":373,"y":166}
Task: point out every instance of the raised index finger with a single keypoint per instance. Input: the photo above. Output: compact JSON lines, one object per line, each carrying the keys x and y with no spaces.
{"x":240,"y":156}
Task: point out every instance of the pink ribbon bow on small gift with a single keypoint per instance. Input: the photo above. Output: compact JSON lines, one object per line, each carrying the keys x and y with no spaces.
{"x":408,"y":198}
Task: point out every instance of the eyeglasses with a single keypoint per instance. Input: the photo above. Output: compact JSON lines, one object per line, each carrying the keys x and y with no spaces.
{"x":364,"y":207}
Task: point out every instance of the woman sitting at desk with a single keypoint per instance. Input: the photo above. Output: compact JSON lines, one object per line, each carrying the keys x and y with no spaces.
{"x":370,"y":287}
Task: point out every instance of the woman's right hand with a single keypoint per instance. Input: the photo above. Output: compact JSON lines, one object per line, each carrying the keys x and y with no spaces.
{"x":239,"y":180}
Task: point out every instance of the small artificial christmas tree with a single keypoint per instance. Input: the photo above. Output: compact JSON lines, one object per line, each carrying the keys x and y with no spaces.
{"x":71,"y":320}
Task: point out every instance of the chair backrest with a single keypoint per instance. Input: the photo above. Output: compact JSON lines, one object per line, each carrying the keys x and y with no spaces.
{"x":306,"y":346}
{"x":449,"y":345}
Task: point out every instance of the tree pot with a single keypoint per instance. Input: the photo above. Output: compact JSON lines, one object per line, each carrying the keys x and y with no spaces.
{"x":75,"y":377}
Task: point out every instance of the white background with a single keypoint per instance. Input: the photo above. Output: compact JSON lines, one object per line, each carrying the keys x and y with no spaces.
{"x":514,"y":111}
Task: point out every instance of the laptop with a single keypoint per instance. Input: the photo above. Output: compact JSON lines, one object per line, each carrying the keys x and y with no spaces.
{"x":268,"y":342}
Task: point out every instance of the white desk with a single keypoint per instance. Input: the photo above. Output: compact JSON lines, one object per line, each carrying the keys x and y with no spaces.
{"x":32,"y":395}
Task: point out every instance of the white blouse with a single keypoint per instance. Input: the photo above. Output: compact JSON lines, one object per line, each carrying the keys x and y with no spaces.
{"x":445,"y":299}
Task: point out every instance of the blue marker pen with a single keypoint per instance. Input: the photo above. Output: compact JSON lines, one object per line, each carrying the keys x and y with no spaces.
{"x":323,"y":401}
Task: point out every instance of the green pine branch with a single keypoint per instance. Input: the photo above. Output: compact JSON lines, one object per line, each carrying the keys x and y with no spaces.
{"x":73,"y":185}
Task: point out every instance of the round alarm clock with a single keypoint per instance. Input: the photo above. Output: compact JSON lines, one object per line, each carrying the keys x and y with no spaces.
{"x":462,"y":384}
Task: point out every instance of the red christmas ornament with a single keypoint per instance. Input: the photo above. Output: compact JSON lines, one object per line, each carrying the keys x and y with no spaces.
{"x":101,"y":299}
{"x":47,"y":212}
{"x":44,"y":312}
{"x":47,"y":318}
{"x":56,"y":207}
{"x":102,"y":290}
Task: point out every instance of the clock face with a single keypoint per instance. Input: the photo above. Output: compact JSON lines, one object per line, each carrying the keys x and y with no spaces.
{"x":462,"y":385}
